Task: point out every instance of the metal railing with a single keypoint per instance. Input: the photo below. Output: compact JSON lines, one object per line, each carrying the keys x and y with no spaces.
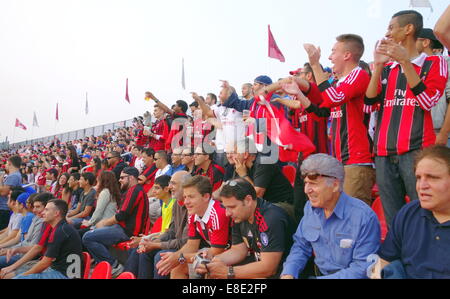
{"x":70,"y":136}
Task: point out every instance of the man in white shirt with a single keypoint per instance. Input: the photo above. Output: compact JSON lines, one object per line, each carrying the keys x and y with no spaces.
{"x":161,"y":162}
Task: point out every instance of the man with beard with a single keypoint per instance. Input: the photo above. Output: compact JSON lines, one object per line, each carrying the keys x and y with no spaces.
{"x":131,"y":220}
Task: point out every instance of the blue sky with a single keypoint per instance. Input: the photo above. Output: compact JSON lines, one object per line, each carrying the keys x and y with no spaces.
{"x":57,"y":50}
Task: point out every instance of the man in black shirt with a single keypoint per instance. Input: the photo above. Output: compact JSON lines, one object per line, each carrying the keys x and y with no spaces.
{"x":267,"y":178}
{"x":63,"y":255}
{"x":261,"y":236}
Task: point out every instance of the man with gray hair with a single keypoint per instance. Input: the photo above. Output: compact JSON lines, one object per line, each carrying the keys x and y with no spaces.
{"x":342,"y":231}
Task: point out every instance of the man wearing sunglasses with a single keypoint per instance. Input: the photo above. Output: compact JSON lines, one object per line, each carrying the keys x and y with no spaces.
{"x":132,"y":219}
{"x":342,"y":231}
{"x":115,"y":163}
{"x":261,"y":235}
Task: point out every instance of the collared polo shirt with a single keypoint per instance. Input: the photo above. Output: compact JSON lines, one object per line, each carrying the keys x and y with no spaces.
{"x":420,"y":242}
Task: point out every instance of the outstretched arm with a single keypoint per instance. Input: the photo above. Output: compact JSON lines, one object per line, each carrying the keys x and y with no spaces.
{"x":207,"y":111}
{"x":159,"y":103}
{"x":442,"y":28}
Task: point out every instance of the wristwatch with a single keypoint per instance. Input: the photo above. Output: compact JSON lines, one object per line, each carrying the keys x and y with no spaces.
{"x":182,"y":259}
{"x":230,"y":274}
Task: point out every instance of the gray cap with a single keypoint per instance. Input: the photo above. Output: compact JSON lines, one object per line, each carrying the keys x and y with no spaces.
{"x":325,"y":165}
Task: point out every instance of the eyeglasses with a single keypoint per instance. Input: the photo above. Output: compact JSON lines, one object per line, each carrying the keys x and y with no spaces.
{"x":314,"y":176}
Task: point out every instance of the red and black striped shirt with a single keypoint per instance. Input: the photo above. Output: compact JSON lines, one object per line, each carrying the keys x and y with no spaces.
{"x":313,"y":126}
{"x":215,"y":174}
{"x":133,"y":214}
{"x":350,"y":140}
{"x":404,"y":120}
{"x":149,"y":173}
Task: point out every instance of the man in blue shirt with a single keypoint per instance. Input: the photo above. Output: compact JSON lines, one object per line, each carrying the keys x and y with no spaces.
{"x":340,"y":230}
{"x":13,"y":179}
{"x":418,"y":243}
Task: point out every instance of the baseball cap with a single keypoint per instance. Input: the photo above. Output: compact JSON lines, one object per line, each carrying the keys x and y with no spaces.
{"x":263,"y":80}
{"x":22,"y":198}
{"x":86,"y":156}
{"x":428,"y":34}
{"x":131,"y":171}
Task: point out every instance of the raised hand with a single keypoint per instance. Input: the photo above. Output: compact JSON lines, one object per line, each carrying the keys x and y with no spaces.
{"x":378,"y":56}
{"x":291,"y":88}
{"x":313,"y":52}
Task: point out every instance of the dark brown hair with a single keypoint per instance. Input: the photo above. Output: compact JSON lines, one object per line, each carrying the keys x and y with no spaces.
{"x":107,"y":180}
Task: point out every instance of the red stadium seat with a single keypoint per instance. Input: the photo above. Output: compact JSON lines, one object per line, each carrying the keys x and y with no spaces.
{"x":126,"y":275}
{"x":102,"y":271}
{"x":87,"y":264}
{"x":289,"y":172}
{"x":377,"y":207}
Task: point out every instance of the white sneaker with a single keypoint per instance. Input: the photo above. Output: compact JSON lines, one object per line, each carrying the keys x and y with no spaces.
{"x":117,"y":270}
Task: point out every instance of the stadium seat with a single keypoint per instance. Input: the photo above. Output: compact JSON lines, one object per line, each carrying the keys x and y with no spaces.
{"x":377,"y":207}
{"x":126,"y":275}
{"x":289,"y":172}
{"x":102,"y":271}
{"x":87,"y":264}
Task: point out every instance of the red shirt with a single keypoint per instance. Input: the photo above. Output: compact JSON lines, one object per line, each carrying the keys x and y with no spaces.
{"x":350,"y":141}
{"x":215,"y":174}
{"x":161,"y":130}
{"x":213,"y":227}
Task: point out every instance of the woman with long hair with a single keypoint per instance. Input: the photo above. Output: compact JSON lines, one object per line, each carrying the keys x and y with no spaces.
{"x":74,"y":159}
{"x":108,"y":200}
{"x":61,"y":184}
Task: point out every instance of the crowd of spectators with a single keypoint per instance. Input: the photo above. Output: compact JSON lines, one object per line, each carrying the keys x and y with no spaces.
{"x":276,"y":183}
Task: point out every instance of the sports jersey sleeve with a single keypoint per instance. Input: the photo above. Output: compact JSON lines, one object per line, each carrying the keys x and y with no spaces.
{"x":354,"y":86}
{"x":429,"y":91}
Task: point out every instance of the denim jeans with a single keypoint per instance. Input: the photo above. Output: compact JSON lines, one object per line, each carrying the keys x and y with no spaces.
{"x":49,"y":273}
{"x":143,"y":265}
{"x":12,"y":260}
{"x":98,"y":240}
{"x":395,"y":179}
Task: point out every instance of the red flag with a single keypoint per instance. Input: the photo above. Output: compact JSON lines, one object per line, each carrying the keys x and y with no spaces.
{"x":127,"y":98}
{"x":57,"y":114}
{"x":20,"y":125}
{"x":274,"y":51}
{"x":280,"y":131}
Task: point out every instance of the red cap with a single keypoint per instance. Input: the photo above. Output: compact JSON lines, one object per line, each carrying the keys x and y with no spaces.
{"x":296,"y":72}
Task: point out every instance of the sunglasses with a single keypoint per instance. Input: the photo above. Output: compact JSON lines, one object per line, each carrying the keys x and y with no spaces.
{"x":314,"y":176}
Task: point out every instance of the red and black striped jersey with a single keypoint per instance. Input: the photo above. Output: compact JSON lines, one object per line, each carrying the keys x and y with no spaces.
{"x":350,"y":140}
{"x":404,"y":121}
{"x":133,"y":213}
{"x":215,"y":174}
{"x":313,"y":126}
{"x":149,"y":173}
{"x":141,"y":139}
